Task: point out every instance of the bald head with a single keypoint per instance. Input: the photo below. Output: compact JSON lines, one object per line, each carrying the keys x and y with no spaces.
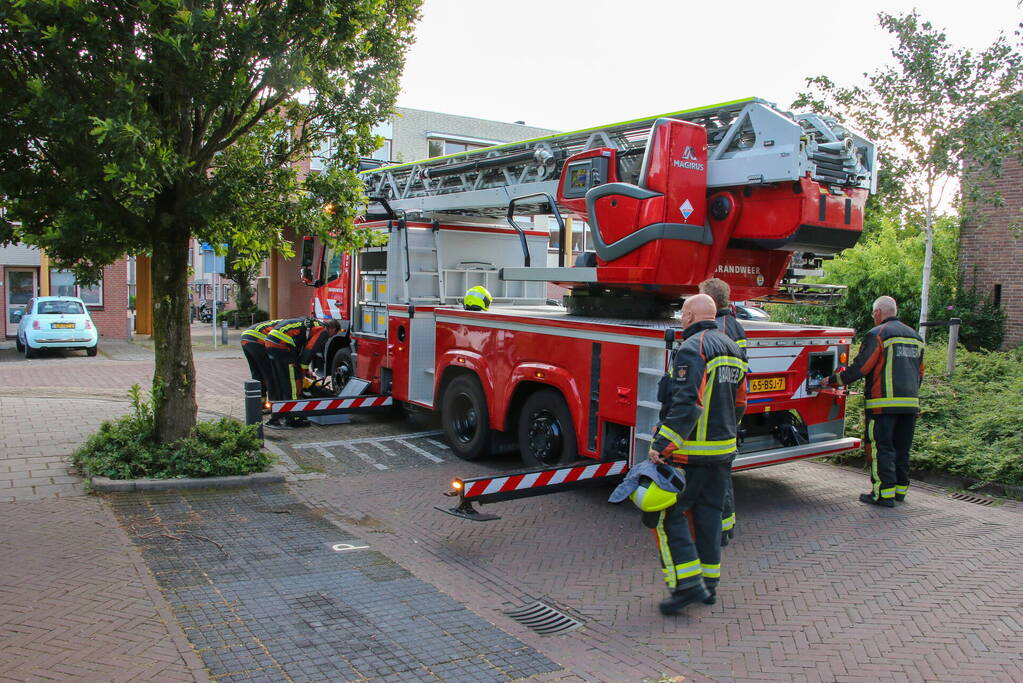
{"x":697,"y":308}
{"x":884,"y":308}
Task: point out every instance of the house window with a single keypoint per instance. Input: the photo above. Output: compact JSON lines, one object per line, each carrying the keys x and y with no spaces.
{"x":383,"y":153}
{"x":63,"y":283}
{"x":996,"y":297}
{"x":440,"y":148}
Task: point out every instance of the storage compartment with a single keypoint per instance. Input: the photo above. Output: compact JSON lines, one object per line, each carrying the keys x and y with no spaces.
{"x":820,"y":366}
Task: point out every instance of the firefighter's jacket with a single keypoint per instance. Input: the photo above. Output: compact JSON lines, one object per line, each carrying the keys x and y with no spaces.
{"x":288,"y":335}
{"x":892,"y":360}
{"x":258,"y":332}
{"x":702,"y":397}
{"x":727,"y":323}
{"x":315,"y":343}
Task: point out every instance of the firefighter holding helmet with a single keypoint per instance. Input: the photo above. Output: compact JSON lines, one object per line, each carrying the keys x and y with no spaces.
{"x":702,"y":396}
{"x":477,"y":299}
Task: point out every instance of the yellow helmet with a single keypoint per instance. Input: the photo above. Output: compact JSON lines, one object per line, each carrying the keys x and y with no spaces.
{"x":649,"y":497}
{"x":477,"y":299}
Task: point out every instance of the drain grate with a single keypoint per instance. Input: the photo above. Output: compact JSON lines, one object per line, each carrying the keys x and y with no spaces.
{"x":977,"y":500}
{"x":543,"y":619}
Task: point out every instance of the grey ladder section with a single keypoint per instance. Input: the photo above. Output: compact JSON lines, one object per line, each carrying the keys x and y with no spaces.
{"x":651,"y":369}
{"x":426,"y":276}
{"x":487,"y":179}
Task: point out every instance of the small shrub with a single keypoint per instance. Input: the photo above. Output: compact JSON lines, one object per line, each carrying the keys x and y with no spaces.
{"x":125,"y":448}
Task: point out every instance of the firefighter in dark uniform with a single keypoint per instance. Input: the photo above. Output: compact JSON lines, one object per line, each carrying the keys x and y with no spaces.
{"x":315,"y":344}
{"x":892,"y":360}
{"x":721,"y":293}
{"x":702,"y":396}
{"x":284,"y":344}
{"x":255,"y":353}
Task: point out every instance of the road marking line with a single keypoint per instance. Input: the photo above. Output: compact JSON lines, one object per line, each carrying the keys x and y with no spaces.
{"x":370,"y":439}
{"x":385,"y":449}
{"x":325,"y":453}
{"x":367,"y":459}
{"x":439,"y":444}
{"x":416,"y":449}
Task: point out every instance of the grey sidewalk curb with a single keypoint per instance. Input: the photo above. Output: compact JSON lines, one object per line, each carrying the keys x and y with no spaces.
{"x":107,"y":485}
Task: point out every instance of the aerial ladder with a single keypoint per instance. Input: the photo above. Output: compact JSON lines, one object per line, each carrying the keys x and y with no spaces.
{"x":741,"y":190}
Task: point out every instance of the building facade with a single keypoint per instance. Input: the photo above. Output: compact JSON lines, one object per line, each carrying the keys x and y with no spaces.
{"x":991,"y":250}
{"x":25,"y":272}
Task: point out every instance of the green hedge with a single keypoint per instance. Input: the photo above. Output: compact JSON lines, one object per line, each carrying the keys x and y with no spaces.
{"x":971,"y":424}
{"x":125,"y":449}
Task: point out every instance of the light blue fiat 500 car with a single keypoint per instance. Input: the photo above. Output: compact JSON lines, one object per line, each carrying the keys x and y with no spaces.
{"x":56,"y":322}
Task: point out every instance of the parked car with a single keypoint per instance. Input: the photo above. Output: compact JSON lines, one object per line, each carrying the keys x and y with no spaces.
{"x":751,"y":313}
{"x":56,"y":322}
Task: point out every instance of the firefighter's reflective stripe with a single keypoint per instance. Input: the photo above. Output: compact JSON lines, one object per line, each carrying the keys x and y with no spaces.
{"x":728,"y":522}
{"x":741,"y":343}
{"x":902,"y":489}
{"x":711,"y":571}
{"x":662,"y":544}
{"x":902,"y":340}
{"x":282,"y":336}
{"x":687,"y":570}
{"x":696,"y":447}
{"x":888,"y":492}
{"x":895,"y":402}
{"x":671,"y":435}
{"x":253,"y":334}
{"x":875,"y":479}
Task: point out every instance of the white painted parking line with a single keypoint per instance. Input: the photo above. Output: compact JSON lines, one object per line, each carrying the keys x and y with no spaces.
{"x":416,"y":449}
{"x":385,"y":449}
{"x":439,"y":444}
{"x":368,"y":460}
{"x":325,"y":453}
{"x":369,"y":439}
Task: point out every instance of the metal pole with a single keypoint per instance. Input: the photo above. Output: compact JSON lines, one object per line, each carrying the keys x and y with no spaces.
{"x":953,"y":339}
{"x":254,"y":404}
{"x":213,"y":279}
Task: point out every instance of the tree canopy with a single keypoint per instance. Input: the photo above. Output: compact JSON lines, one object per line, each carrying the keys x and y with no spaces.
{"x":934,"y":107}
{"x":131,"y":127}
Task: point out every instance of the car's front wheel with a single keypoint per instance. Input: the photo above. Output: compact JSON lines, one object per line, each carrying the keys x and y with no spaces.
{"x":18,"y":345}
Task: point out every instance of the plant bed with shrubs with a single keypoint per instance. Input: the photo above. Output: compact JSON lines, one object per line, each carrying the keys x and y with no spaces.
{"x":970,"y":424}
{"x":126,"y":449}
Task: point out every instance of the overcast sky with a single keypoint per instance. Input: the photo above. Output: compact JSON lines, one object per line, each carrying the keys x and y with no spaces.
{"x":570,"y":64}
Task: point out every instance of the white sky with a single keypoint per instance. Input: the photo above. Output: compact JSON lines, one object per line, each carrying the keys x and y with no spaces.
{"x":569,"y":64}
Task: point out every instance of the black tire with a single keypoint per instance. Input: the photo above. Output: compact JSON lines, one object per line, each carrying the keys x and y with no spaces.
{"x":18,"y":345}
{"x":92,"y":350}
{"x":546,"y":434}
{"x":342,"y":369}
{"x":30,"y":352}
{"x":465,"y":418}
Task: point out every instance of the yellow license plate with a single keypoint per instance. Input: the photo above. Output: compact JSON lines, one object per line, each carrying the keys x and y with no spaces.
{"x":62,"y":326}
{"x":761,"y":384}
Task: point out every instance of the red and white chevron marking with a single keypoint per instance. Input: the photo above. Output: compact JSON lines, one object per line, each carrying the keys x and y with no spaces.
{"x":517,"y":482}
{"x":330,"y":404}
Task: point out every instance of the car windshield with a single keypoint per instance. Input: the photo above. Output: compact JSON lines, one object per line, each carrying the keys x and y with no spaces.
{"x":59,"y":308}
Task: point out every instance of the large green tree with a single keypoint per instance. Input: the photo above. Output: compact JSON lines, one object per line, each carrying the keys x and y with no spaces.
{"x":130,"y":127}
{"x":933,"y":108}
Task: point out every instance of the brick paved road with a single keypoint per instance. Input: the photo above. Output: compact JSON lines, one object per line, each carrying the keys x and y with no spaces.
{"x":78,"y":603}
{"x":816,"y":587}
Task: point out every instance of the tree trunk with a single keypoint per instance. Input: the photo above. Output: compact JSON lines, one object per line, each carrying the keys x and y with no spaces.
{"x":925,"y":286}
{"x":244,"y":299}
{"x":174,"y":378}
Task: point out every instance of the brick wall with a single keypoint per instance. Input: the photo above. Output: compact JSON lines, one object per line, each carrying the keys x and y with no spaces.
{"x":111,"y":319}
{"x":991,"y":254}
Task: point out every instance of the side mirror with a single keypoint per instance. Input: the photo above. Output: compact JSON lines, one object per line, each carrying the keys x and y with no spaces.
{"x":307,"y":251}
{"x":16,"y":314}
{"x":305,"y":273}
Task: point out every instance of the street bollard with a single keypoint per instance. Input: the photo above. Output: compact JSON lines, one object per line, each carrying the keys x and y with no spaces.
{"x":223,"y":332}
{"x":254,"y":404}
{"x":953,"y":340}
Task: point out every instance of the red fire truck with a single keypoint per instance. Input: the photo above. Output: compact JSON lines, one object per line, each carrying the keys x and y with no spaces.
{"x":741,"y":191}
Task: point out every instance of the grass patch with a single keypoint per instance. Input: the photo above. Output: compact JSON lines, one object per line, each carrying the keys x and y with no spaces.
{"x":126,"y":449}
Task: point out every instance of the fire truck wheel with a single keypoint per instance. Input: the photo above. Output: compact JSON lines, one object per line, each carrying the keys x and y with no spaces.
{"x":341,"y":369}
{"x":546,"y":434}
{"x":465,"y":418}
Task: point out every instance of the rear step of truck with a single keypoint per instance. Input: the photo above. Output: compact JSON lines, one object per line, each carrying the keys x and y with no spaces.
{"x":525,"y":484}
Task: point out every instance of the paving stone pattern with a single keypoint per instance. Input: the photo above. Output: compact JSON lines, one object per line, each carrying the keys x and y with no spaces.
{"x":253,"y":577}
{"x":77,"y":602}
{"x":816,"y":587}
